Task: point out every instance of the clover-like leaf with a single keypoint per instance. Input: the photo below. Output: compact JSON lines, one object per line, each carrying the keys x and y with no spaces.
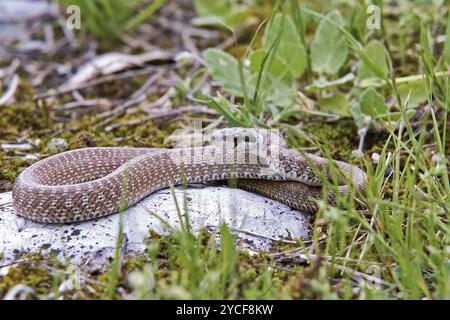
{"x":376,"y":52}
{"x":322,"y":83}
{"x":277,"y":68}
{"x":414,"y":92}
{"x":225,"y":69}
{"x":337,"y":103}
{"x":211,"y":8}
{"x":290,"y":49}
{"x":329,"y":50}
{"x":372,"y":103}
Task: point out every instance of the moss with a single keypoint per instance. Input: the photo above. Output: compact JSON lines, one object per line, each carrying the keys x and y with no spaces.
{"x":170,"y":271}
{"x":30,"y":273}
{"x":20,"y":119}
{"x":9,"y":169}
{"x":27,"y":120}
{"x":253,"y":275}
{"x":340,"y":138}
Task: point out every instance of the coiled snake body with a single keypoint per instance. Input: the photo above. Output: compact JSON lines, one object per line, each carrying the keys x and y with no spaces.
{"x":89,"y":183}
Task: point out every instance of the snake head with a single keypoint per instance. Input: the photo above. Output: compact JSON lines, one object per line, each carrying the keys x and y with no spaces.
{"x":233,"y":137}
{"x":257,"y":142}
{"x":257,"y":136}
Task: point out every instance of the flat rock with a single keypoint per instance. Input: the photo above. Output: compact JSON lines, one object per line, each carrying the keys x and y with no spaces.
{"x":257,"y":221}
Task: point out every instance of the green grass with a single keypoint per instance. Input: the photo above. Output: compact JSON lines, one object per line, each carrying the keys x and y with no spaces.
{"x":399,"y":247}
{"x":110,"y":19}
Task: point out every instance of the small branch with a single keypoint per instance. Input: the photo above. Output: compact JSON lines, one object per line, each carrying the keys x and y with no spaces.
{"x":118,"y":111}
{"x":160,"y":114}
{"x":83,"y":103}
{"x":255,"y":234}
{"x":359,"y":153}
{"x":10,"y":70}
{"x":96,"y":82}
{"x":9,"y":94}
{"x":137,"y":97}
{"x":301,"y":258}
{"x":243,"y":30}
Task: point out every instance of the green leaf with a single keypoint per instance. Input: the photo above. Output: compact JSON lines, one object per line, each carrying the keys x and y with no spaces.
{"x":322,"y":83}
{"x":279,"y":94}
{"x":416,"y":90}
{"x":277,"y":68}
{"x":371,"y":108}
{"x":228,"y":250}
{"x":211,"y":21}
{"x":220,"y":13}
{"x":144,"y":14}
{"x":376,"y":52}
{"x":358,"y":116}
{"x":447,"y":42}
{"x":358,"y":22}
{"x":274,"y":92}
{"x":394,"y":116}
{"x":337,"y":103}
{"x":212,"y":8}
{"x":229,"y":111}
{"x":329,"y":50}
{"x":372,"y":103}
{"x":237,"y":16}
{"x":290,"y":49}
{"x":277,"y":88}
{"x":228,"y":22}
{"x":296,"y":132}
{"x":371,"y":82}
{"x":225,"y":69}
{"x":426,"y":49}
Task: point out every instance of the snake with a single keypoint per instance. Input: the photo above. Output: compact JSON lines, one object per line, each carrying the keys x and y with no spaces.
{"x":89,"y":183}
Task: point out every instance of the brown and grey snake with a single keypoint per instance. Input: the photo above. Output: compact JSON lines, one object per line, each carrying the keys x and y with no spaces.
{"x":90,"y":183}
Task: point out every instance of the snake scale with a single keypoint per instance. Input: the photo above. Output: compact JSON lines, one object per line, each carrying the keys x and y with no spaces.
{"x":90,"y":183}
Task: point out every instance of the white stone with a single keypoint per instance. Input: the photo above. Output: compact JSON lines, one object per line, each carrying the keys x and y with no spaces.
{"x":375,"y":157}
{"x":91,"y":244}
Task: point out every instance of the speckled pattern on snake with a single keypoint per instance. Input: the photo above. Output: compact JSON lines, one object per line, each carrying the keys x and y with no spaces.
{"x":90,"y":183}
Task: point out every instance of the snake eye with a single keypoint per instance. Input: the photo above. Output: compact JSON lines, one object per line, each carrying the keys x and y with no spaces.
{"x":235,"y":141}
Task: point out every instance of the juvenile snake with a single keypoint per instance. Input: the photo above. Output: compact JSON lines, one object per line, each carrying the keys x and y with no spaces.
{"x":90,"y":183}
